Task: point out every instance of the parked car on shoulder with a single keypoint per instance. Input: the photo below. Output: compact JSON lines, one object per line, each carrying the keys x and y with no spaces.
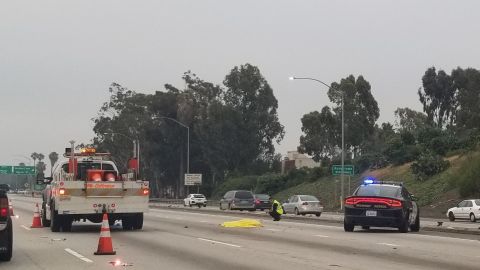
{"x":195,"y":199}
{"x":6,"y":230}
{"x":262,"y":201}
{"x":302,"y":205}
{"x":238,"y":200}
{"x":466,"y":209}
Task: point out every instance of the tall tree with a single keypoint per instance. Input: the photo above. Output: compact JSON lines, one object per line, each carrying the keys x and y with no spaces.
{"x":360,"y":110}
{"x":321,"y":134}
{"x":467,"y":82}
{"x":249,"y":94}
{"x":409,"y":120}
{"x":53,"y":156}
{"x":438,"y":97}
{"x":34,"y":156}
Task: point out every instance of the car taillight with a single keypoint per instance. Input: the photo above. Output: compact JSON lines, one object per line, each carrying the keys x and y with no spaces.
{"x":3,"y":207}
{"x":61,"y":191}
{"x":3,"y":212}
{"x":146,"y":191}
{"x":257,"y":201}
{"x":389,"y":202}
{"x":305,"y":203}
{"x":349,"y":201}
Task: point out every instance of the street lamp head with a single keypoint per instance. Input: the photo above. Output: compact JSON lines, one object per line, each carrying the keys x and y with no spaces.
{"x":291,"y":78}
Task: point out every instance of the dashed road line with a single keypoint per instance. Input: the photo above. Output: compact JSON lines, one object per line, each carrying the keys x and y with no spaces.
{"x":78,"y":255}
{"x":388,"y":244}
{"x":321,"y":235}
{"x":274,"y":230}
{"x":218,"y":242}
{"x":26,"y":228}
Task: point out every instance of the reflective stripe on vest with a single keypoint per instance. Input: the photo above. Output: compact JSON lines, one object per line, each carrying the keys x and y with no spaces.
{"x":279,"y":207}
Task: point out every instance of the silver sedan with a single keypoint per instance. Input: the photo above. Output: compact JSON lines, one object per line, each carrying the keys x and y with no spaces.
{"x":303,"y":204}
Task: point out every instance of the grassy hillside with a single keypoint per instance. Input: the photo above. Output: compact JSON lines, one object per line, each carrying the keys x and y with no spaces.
{"x":435,"y":194}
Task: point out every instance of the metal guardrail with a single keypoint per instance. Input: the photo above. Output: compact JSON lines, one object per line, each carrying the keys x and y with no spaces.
{"x":180,"y":201}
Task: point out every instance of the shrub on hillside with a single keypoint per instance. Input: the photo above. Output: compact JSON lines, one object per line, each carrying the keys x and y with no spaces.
{"x":398,"y":152}
{"x":270,"y":183}
{"x":428,"y":164}
{"x":370,"y":161}
{"x":247,"y":182}
{"x":468,"y":179}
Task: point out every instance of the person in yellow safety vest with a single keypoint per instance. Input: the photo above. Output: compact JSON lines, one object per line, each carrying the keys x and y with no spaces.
{"x":277,"y":210}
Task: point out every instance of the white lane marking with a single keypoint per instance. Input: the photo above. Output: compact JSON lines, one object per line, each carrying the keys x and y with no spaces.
{"x":218,"y":242}
{"x":78,"y":255}
{"x":321,"y":235}
{"x":26,"y":228}
{"x":388,"y":244}
{"x":274,"y":230}
{"x":203,"y":221}
{"x":443,"y":238}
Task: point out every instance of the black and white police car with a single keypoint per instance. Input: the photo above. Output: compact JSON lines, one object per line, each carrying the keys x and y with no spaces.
{"x":381,"y":204}
{"x":6,"y":231}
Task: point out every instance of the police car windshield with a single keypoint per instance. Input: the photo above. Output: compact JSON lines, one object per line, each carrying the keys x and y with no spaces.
{"x":379,"y":191}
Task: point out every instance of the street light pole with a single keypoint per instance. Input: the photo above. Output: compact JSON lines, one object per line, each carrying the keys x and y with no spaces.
{"x":188,"y":139}
{"x":188,"y":143}
{"x":342,"y":194}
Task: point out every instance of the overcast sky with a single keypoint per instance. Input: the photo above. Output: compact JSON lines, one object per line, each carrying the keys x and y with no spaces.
{"x":58,"y":58}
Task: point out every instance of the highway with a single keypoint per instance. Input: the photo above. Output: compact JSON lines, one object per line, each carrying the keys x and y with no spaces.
{"x":176,"y":239}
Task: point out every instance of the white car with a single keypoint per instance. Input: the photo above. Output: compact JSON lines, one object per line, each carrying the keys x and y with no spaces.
{"x":302,"y":205}
{"x":195,"y":199}
{"x":467,"y":209}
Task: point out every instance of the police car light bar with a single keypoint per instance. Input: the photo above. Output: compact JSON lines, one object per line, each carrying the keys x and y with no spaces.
{"x":369,"y":181}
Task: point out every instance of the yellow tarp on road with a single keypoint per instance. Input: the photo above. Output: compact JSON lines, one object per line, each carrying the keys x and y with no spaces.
{"x":243,"y":223}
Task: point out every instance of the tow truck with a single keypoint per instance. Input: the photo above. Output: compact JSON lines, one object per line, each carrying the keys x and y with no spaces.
{"x":88,"y":184}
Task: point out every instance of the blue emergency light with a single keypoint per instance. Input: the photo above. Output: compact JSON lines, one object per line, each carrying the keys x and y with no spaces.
{"x":369,"y":180}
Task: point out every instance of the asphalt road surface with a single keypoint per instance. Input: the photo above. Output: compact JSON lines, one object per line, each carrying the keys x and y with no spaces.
{"x":175,"y":239}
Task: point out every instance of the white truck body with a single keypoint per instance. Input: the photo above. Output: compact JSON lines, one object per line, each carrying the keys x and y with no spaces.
{"x":67,"y":199}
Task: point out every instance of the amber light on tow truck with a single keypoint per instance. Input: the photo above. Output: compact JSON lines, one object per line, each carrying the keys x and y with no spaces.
{"x":61,"y":191}
{"x":88,"y":150}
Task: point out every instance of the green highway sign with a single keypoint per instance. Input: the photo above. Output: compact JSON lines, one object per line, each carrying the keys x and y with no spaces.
{"x":5,"y":169}
{"x":347,"y":170}
{"x":24,"y":170}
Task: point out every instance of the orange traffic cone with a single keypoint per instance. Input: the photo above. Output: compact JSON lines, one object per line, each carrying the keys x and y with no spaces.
{"x":105,"y":242}
{"x":37,"y":222}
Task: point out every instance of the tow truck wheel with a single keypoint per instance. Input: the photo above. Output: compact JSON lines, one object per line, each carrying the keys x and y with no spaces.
{"x":55,"y":222}
{"x":138,"y":221}
{"x":45,"y":221}
{"x":66,"y":224}
{"x":127,"y":223}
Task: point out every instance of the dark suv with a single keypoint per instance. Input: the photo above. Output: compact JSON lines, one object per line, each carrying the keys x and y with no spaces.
{"x":6,"y":231}
{"x":238,"y":200}
{"x":381,"y":204}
